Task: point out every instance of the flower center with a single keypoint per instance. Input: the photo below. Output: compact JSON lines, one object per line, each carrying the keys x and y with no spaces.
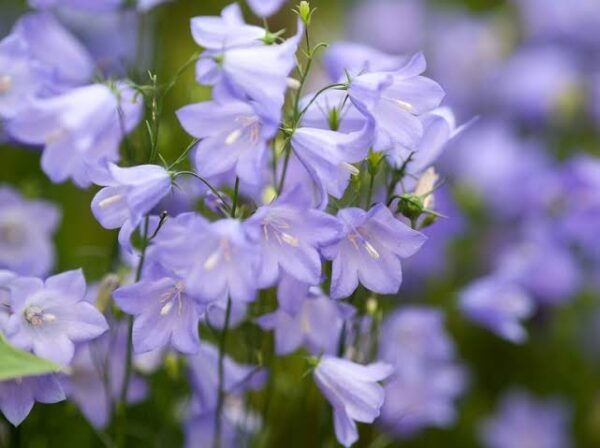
{"x":5,"y":83}
{"x":171,"y":298}
{"x":359,"y":241}
{"x":55,"y":136}
{"x":11,"y":234}
{"x":111,"y":200}
{"x":35,"y":316}
{"x":248,"y":126}
{"x":279,"y":229}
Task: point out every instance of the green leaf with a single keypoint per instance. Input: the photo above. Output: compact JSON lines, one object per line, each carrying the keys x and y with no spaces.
{"x":16,"y":363}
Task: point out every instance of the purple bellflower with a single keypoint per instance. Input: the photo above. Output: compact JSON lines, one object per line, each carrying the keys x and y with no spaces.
{"x":353,"y":392}
{"x":394,"y":100}
{"x":49,"y":317}
{"x":164,"y":315}
{"x":373,"y":243}
{"x":26,"y":229}
{"x":80,"y":129}
{"x":522,"y":420}
{"x":286,"y":233}
{"x":18,"y":396}
{"x":233,"y":137}
{"x":265,"y":8}
{"x":499,"y":305}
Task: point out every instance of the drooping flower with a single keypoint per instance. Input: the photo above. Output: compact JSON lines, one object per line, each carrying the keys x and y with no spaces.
{"x":289,"y":243}
{"x":317,"y":325}
{"x":353,"y":392}
{"x":394,"y":100}
{"x":128,"y":194}
{"x":499,"y":305}
{"x":216,"y":260}
{"x":370,"y":250}
{"x":80,"y":130}
{"x":204,"y":377}
{"x":265,"y":8}
{"x":17,"y":397}
{"x":164,"y":314}
{"x":26,"y":229}
{"x":49,"y":317}
{"x":233,"y":137}
{"x":523,"y":420}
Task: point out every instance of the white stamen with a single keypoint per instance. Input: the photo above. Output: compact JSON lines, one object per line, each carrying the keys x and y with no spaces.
{"x":293,"y":83}
{"x":404,"y":105}
{"x":212,"y":261}
{"x":351,"y":168}
{"x":5,"y":83}
{"x":233,"y":137}
{"x":111,"y":200}
{"x":289,"y":239}
{"x":49,"y":317}
{"x":371,"y":250}
{"x":166,"y":309}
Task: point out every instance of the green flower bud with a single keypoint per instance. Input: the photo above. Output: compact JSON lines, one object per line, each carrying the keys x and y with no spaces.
{"x":305,"y":12}
{"x":411,"y":206}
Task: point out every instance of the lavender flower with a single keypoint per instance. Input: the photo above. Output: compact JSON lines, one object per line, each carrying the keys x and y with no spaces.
{"x":233,"y":137}
{"x":5,"y":278}
{"x":393,"y":100}
{"x":265,"y":8}
{"x":373,"y":243}
{"x":18,"y":396}
{"x":26,"y":229}
{"x":522,"y":420}
{"x":49,"y":317}
{"x":286,"y":233}
{"x":164,"y":315}
{"x":352,"y":391}
{"x":80,"y":129}
{"x":498,"y":305}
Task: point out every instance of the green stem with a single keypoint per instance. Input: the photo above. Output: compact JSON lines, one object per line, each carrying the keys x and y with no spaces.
{"x":234,"y":202}
{"x":370,"y":191}
{"x":221,"y":373}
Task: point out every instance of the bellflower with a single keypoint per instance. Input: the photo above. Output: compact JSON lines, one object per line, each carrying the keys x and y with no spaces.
{"x":373,"y":243}
{"x":204,"y":377}
{"x":233,"y":137}
{"x":21,"y":76}
{"x":286,"y":233}
{"x":80,"y":129}
{"x":522,"y":420}
{"x":394,"y":100}
{"x":49,"y":317}
{"x":498,"y":305}
{"x":265,"y":8}
{"x":26,"y":230}
{"x":216,"y":260}
{"x":317,"y":325}
{"x":128,"y":194}
{"x":18,"y":396}
{"x":353,"y":392}
{"x":164,"y":315}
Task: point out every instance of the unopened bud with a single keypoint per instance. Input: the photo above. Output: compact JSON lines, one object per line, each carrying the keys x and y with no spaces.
{"x":411,"y":206}
{"x":269,"y":194}
{"x":305,"y":12}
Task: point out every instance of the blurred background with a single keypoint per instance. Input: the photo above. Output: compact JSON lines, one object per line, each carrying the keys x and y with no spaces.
{"x":521,"y":192}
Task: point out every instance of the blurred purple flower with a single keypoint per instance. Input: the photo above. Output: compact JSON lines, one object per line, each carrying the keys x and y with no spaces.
{"x":18,"y":396}
{"x":5,"y":278}
{"x":353,"y":392}
{"x":373,"y":243}
{"x":265,"y":8}
{"x":26,"y":230}
{"x":522,"y":420}
{"x":49,"y":317}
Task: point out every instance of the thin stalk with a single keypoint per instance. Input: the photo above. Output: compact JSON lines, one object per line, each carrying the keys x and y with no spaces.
{"x":370,"y":191}
{"x":221,"y":373}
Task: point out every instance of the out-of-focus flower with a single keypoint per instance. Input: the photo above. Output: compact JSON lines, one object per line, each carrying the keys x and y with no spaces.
{"x":26,"y":229}
{"x":373,"y":243}
{"x":499,"y":305}
{"x":265,"y":8}
{"x":5,"y":278}
{"x":522,"y":420}
{"x":49,"y":317}
{"x":18,"y":396}
{"x":353,"y":392}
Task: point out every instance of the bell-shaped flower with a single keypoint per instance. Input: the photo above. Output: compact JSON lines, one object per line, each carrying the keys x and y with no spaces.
{"x":317,"y":325}
{"x":128,"y":195}
{"x":49,"y":317}
{"x":394,"y":100}
{"x":26,"y":230}
{"x":233,"y":137}
{"x":227,"y":31}
{"x":285,"y":231}
{"x":79,"y":130}
{"x":327,"y":156}
{"x":21,"y":76}
{"x":216,"y":260}
{"x":165,"y":315}
{"x":373,"y":243}
{"x":353,"y":392}
{"x":17,"y":397}
{"x":265,"y":8}
{"x":499,"y":305}
{"x":204,"y":377}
